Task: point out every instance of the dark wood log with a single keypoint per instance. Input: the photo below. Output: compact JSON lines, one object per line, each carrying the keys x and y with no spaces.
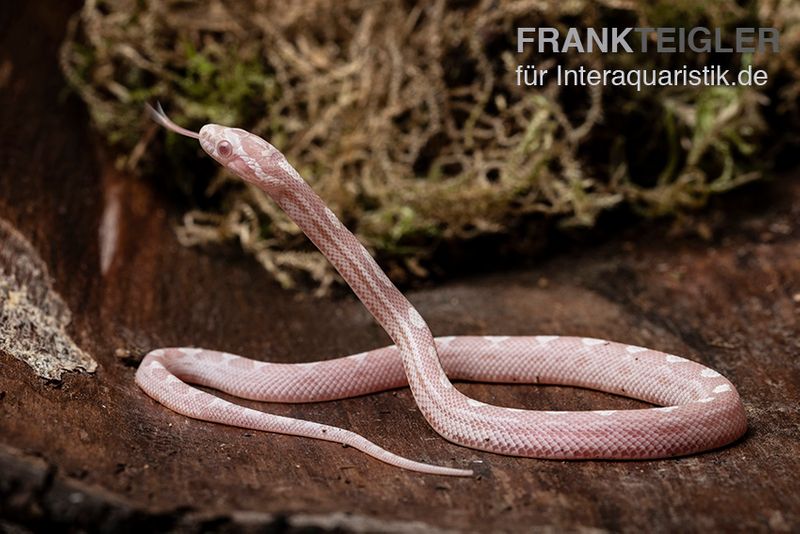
{"x":92,"y":452}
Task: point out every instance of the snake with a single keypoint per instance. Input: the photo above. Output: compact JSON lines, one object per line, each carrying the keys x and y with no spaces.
{"x":694,"y":408}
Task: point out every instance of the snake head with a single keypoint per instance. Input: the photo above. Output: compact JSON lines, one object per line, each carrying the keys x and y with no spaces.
{"x":245,"y":154}
{"x":222,"y":143}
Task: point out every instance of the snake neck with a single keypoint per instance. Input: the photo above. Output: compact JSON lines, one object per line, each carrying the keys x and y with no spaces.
{"x":393,"y":311}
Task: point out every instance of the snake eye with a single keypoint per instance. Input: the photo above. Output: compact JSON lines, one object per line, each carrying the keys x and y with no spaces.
{"x":224,"y":149}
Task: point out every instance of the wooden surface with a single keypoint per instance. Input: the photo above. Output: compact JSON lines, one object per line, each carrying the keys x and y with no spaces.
{"x":93,"y":451}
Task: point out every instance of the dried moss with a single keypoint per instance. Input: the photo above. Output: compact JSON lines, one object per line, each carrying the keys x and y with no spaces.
{"x":406,"y":117}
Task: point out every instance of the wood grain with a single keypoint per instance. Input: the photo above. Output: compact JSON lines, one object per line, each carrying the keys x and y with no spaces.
{"x":92,"y":451}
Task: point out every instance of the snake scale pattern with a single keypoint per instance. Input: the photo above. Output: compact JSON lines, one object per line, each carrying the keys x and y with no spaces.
{"x":699,"y":409}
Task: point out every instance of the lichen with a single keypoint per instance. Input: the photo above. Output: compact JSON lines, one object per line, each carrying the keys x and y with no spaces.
{"x":33,"y":317}
{"x":406,"y":116}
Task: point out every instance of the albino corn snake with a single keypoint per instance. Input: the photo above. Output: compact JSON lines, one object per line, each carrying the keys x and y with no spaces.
{"x":700,"y":409}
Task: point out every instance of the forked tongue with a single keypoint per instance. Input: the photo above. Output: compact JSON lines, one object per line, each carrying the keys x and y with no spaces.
{"x":161,"y":118}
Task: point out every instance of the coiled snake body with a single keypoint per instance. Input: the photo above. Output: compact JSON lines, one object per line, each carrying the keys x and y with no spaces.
{"x":700,"y":409}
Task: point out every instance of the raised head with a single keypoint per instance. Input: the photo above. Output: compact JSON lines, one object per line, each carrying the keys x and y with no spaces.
{"x":248,"y":156}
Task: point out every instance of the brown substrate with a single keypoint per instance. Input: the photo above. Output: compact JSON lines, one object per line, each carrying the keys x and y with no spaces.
{"x":93,"y":452}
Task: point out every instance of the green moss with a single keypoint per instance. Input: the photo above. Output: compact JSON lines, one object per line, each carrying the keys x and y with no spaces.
{"x":408,"y":121}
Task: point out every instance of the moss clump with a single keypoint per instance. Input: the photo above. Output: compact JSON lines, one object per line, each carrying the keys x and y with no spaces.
{"x":406,"y":116}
